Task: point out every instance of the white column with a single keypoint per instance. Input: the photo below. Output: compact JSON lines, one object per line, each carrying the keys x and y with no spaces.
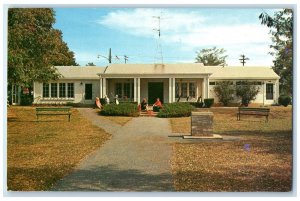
{"x":207,"y":87}
{"x":134,"y":89}
{"x":276,"y":91}
{"x":138,"y":90}
{"x":203,"y":88}
{"x":170,"y":90}
{"x":173,"y":89}
{"x":100,"y":88}
{"x":104,"y":87}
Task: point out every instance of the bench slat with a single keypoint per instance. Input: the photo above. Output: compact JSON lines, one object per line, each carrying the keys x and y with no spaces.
{"x":253,"y":111}
{"x":53,"y":111}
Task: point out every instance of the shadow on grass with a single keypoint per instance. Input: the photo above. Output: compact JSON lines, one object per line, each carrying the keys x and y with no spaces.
{"x":110,"y":178}
{"x":249,"y":179}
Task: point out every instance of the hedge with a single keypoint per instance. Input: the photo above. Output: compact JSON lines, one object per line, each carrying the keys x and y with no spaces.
{"x":208,"y":102}
{"x":175,"y":110}
{"x":124,"y":109}
{"x":284,"y":100}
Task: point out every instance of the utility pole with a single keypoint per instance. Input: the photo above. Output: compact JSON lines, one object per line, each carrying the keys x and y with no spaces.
{"x":108,"y":58}
{"x":243,"y":59}
{"x":125,"y":58}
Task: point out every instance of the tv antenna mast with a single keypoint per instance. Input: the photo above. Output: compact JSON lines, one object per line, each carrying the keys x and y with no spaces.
{"x":159,"y":54}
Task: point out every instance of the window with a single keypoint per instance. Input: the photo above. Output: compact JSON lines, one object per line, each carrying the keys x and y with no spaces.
{"x":269,"y":91}
{"x":177,"y":90}
{"x":54,"y":90}
{"x":212,"y":83}
{"x":127,"y":90}
{"x":119,"y":89}
{"x":70,"y":90}
{"x":45,"y":90}
{"x":192,"y":90}
{"x":62,"y":90}
{"x":184,"y":90}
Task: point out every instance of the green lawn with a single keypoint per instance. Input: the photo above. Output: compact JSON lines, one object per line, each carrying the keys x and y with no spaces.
{"x":227,"y":166}
{"x":41,"y":153}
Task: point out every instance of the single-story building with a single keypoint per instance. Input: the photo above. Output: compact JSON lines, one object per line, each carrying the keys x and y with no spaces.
{"x":133,"y":82}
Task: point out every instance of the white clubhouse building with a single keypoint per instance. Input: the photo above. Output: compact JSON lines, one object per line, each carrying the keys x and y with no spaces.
{"x":133,"y":82}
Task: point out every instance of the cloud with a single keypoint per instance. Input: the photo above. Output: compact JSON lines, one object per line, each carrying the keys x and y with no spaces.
{"x":143,"y":21}
{"x":193,"y":31}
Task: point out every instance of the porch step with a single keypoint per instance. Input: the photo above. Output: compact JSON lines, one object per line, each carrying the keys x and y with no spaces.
{"x":148,"y":114}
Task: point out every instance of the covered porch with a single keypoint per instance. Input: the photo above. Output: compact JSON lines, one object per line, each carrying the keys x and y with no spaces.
{"x":168,"y":89}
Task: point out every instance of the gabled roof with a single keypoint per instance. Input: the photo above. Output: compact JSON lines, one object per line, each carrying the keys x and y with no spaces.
{"x":134,"y":70}
{"x":80,"y":72}
{"x":239,"y":72}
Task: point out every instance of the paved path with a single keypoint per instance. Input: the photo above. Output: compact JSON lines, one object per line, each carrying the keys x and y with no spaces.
{"x":135,"y":159}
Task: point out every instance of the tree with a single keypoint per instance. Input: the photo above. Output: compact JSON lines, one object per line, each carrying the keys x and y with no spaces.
{"x":34,"y":46}
{"x":281,"y":29}
{"x":211,"y":57}
{"x":247,"y":92}
{"x":224,"y":91}
{"x":90,"y":64}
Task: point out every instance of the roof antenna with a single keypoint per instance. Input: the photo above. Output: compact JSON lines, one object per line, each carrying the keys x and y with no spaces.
{"x":159,"y":54}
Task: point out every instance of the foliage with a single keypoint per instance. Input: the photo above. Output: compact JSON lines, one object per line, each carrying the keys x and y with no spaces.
{"x":175,"y":110}
{"x":247,"y":92}
{"x":224,"y":91}
{"x":208,"y":102}
{"x":26,"y":99}
{"x":211,"y":57}
{"x":124,"y":109}
{"x":284,"y":100}
{"x":34,"y":46}
{"x":90,"y":64}
{"x":281,"y":29}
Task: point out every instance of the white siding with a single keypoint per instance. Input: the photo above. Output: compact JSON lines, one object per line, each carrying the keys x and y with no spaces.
{"x":260,"y":98}
{"x":79,"y":92}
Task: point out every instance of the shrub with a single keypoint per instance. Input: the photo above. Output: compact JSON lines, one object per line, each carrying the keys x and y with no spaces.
{"x":26,"y":99}
{"x":103,"y":101}
{"x":224,"y":91}
{"x":208,"y":102}
{"x":247,"y":92}
{"x":284,"y":100}
{"x":197,"y":104}
{"x":175,"y":110}
{"x":124,"y":109}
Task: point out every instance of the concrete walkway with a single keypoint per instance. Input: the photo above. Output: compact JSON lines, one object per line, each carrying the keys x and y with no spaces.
{"x":135,"y":159}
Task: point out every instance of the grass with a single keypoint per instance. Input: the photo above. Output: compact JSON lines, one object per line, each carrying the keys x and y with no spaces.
{"x":41,"y":153}
{"x":228,"y":166}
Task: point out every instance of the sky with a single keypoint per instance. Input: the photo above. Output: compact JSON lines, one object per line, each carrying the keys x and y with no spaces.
{"x":184,"y":31}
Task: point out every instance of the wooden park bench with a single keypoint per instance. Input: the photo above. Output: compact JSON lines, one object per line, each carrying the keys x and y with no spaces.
{"x":52,"y":111}
{"x":253,"y":111}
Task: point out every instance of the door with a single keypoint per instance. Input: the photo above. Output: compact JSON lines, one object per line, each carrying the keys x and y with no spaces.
{"x":88,"y":91}
{"x":269,"y":91}
{"x":155,"y":90}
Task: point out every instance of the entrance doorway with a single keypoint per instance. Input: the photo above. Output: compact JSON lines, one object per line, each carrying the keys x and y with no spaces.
{"x":88,"y":91}
{"x":155,"y":90}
